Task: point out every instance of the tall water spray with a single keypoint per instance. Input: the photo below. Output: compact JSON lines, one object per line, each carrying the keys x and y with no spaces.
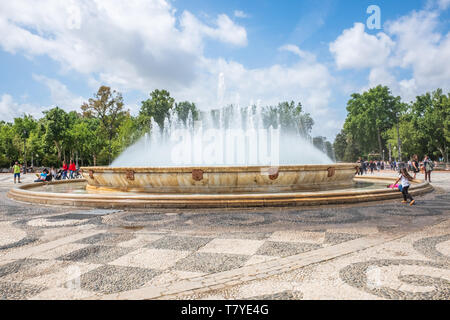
{"x":232,"y":136}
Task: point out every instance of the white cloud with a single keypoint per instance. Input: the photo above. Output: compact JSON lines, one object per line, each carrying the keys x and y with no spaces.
{"x":240,"y":14}
{"x":226,"y":30}
{"x":410,"y":43}
{"x":443,"y":4}
{"x":422,"y":49}
{"x":60,"y":94}
{"x":296,"y":50}
{"x":133,"y":44}
{"x":137,"y":45}
{"x":10,"y":109}
{"x":305,"y":81}
{"x":355,"y":48}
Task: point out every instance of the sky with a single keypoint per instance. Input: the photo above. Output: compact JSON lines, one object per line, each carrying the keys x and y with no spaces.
{"x":58,"y":53}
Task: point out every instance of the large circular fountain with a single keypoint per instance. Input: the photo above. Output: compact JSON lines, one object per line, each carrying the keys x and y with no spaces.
{"x":234,"y":160}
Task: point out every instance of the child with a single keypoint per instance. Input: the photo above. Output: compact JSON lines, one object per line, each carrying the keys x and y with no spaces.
{"x":16,"y":170}
{"x":42,"y":177}
{"x":405,"y":179}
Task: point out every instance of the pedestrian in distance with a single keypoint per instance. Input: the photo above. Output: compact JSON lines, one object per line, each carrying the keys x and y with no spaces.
{"x":415,"y":165}
{"x":428,"y":166}
{"x":64,"y":170}
{"x":72,"y":169}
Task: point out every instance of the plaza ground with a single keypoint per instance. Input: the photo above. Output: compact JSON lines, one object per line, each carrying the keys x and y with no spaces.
{"x":375,"y":250}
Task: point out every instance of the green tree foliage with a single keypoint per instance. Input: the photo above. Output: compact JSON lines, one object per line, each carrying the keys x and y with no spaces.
{"x":23,"y":128}
{"x":370,"y":114}
{"x":56,"y":123}
{"x":290,"y":116}
{"x":157,"y":107}
{"x":184,"y":108}
{"x":376,"y":119}
{"x":107,"y":106}
{"x":340,"y":145}
{"x":424,"y":128}
{"x":325,"y":146}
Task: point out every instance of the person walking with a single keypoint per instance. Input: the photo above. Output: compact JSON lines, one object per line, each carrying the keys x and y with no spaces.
{"x":428,"y":166}
{"x":64,"y":170}
{"x":72,"y":169}
{"x":16,"y":170}
{"x":372,"y":166}
{"x":415,"y":165}
{"x":405,"y":178}
{"x":360,"y":168}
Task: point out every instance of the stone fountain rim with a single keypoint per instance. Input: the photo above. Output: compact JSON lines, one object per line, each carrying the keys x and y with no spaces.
{"x":24,"y":194}
{"x":188,"y":169}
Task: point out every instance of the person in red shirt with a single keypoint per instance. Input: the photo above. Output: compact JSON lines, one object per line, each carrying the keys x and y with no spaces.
{"x":64,"y":170}
{"x":72,"y":169}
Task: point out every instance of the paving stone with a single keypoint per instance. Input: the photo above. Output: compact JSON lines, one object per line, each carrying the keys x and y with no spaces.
{"x":283,"y":249}
{"x":245,"y":235}
{"x":96,"y":254}
{"x":72,"y":216}
{"x":335,"y":238}
{"x":232,"y":246}
{"x":284,"y":295}
{"x":210,"y":262}
{"x":160,"y":259}
{"x":16,"y":291}
{"x":179,"y":243}
{"x":19,"y":265}
{"x":106,"y":238}
{"x":59,"y":251}
{"x":112,"y":279}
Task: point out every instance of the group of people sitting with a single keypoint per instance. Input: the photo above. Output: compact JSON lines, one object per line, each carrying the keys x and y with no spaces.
{"x":66,"y":172}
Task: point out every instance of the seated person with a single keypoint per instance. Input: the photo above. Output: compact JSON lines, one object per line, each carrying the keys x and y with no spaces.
{"x":42,"y":177}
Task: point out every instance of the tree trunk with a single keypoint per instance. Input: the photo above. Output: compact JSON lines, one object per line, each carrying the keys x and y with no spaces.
{"x":25,"y":156}
{"x":109,"y":153}
{"x":444,"y":153}
{"x":399,"y":142}
{"x":379,"y":141}
{"x":95,"y":160}
{"x":58,"y":148}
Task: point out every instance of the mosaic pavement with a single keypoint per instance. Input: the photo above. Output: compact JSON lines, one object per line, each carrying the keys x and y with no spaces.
{"x":368,"y":251}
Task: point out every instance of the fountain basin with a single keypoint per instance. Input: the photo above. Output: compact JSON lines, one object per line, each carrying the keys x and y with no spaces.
{"x":219,"y":180}
{"x":74,"y":193}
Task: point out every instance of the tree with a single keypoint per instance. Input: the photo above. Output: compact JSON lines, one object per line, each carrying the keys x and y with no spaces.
{"x":290,"y":116}
{"x":430,"y":116}
{"x":56,"y":124}
{"x":340,"y":144}
{"x":107,"y":106}
{"x":370,"y":114}
{"x":158,"y":108}
{"x":23,"y":128}
{"x":184,"y":108}
{"x":127,"y":134}
{"x":8,"y":151}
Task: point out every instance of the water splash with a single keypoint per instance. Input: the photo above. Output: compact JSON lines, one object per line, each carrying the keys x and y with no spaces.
{"x":231,"y":136}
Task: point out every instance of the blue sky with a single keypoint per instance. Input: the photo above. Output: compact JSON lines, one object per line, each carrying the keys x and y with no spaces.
{"x":314,"y":52}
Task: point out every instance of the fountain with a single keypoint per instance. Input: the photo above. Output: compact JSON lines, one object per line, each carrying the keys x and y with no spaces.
{"x":233,"y":157}
{"x":234,"y":152}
